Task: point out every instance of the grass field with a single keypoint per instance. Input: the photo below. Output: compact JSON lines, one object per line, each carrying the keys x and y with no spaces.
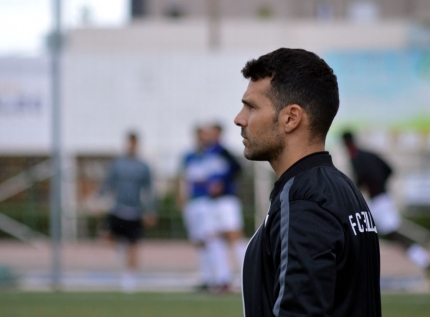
{"x":14,"y":304}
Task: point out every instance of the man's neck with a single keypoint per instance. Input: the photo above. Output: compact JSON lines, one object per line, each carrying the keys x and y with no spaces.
{"x":291,"y":155}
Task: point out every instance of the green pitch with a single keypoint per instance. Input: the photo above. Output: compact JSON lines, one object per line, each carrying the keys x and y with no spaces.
{"x":14,"y":304}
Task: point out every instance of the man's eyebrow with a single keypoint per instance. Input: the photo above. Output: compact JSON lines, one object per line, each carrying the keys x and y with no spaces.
{"x":246,"y":102}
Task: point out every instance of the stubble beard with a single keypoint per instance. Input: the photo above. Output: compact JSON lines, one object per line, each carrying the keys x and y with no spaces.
{"x":265,"y":148}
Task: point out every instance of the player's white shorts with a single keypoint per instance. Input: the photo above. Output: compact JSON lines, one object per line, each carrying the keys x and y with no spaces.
{"x":197,"y":219}
{"x":385,"y":214}
{"x":227,"y":214}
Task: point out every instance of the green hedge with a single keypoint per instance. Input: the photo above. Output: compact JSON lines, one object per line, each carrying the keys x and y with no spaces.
{"x":169,"y":226}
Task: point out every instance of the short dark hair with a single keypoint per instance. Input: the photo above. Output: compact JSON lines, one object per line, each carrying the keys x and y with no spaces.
{"x":348,"y":137}
{"x":217,"y":126}
{"x":299,"y":77}
{"x":132,"y":136}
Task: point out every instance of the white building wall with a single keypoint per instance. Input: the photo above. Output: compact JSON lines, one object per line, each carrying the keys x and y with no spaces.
{"x":161,"y":96}
{"x":25,"y":106}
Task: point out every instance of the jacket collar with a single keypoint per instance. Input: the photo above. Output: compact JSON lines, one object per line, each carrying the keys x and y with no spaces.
{"x":305,"y":163}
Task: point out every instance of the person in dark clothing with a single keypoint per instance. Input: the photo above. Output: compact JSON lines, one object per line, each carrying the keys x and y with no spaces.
{"x":370,"y":170}
{"x":371,"y":174}
{"x":317,"y":251}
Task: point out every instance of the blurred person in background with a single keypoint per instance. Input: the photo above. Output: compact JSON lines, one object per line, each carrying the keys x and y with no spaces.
{"x":226,"y":209}
{"x":197,"y":206}
{"x":192,"y":201}
{"x":129,"y":180}
{"x":371,"y":175}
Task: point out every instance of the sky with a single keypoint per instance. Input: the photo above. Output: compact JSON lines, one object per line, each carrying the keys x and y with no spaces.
{"x":24,"y":23}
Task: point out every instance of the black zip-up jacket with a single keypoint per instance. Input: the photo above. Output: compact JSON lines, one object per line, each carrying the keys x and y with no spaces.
{"x":317,"y":252}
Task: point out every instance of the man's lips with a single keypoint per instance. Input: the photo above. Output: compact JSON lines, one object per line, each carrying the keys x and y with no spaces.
{"x":244,"y":139}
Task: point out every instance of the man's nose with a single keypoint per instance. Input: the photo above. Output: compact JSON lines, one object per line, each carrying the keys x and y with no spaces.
{"x":240,"y":120}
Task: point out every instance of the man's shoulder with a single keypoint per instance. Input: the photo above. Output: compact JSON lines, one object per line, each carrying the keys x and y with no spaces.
{"x":116,"y":162}
{"x":143,"y":164}
{"x":366,"y":154}
{"x":319,"y":176}
{"x":218,"y":149}
{"x":134,"y":163}
{"x":191,"y":155}
{"x":319,"y":184}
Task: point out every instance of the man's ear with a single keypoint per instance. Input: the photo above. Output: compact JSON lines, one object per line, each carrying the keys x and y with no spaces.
{"x":291,"y":117}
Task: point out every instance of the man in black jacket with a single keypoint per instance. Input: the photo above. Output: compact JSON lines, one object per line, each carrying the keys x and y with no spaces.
{"x":317,"y":252}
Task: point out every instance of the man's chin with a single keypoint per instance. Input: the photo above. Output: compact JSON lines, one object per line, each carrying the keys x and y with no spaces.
{"x":253,"y":156}
{"x":247,"y":154}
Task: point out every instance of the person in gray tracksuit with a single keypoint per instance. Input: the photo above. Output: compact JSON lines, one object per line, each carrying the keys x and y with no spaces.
{"x":129,"y":180}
